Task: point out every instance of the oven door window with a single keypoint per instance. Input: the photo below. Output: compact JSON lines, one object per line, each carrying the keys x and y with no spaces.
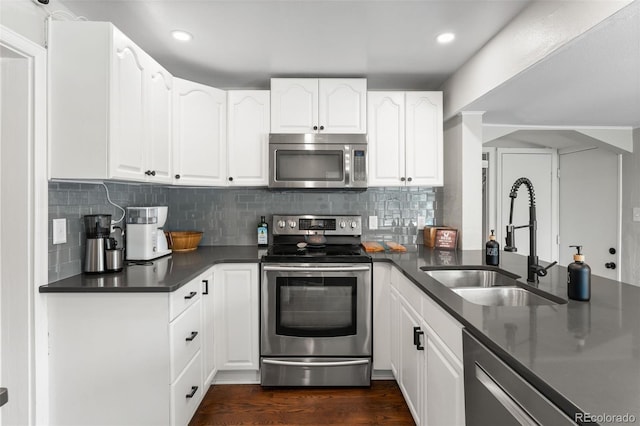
{"x":316,"y":306}
{"x":302,"y":165}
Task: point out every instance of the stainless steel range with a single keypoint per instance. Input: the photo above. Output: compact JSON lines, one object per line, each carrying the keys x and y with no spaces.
{"x":316,"y":300}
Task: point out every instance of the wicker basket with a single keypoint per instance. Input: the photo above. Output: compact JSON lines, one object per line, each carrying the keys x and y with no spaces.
{"x":183,"y":240}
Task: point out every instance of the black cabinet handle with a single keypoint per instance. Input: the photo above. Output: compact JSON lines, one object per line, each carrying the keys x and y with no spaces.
{"x":194,"y":389}
{"x":409,"y":179}
{"x":148,"y":173}
{"x":230,"y":179}
{"x":610,"y":265}
{"x":321,"y":127}
{"x":177,"y":176}
{"x":315,"y":127}
{"x":402,"y":179}
{"x":193,"y":336}
{"x":153,"y":172}
{"x":416,"y":338}
{"x":191,"y":295}
{"x":612,"y":250}
{"x":206,"y":286}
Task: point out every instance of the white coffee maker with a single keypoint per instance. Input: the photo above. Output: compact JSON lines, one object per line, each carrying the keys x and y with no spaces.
{"x":145,"y":237}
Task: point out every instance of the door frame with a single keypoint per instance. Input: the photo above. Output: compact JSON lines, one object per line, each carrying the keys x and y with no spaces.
{"x":36,"y":218}
{"x":555,"y":201}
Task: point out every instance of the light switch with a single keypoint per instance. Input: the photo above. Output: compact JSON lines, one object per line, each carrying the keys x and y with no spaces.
{"x":373,"y":222}
{"x":421,"y":222}
{"x":59,"y":231}
{"x":636,"y":214}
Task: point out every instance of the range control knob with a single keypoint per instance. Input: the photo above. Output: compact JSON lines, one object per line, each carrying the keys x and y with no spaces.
{"x":343,"y":224}
{"x":292,"y":224}
{"x":354,"y":224}
{"x":281,"y":224}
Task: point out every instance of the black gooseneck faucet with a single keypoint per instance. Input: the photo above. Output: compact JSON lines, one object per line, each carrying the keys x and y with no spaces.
{"x":534,"y":270}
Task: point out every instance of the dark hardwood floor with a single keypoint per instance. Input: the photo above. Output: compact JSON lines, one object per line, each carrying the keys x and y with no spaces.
{"x":381,"y":404}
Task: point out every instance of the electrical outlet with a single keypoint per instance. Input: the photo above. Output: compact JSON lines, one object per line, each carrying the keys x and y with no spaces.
{"x":373,"y":222}
{"x":59,"y":231}
{"x":636,"y":214}
{"x":421,"y":221}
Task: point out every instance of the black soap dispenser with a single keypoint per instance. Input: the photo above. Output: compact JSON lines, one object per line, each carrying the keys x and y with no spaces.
{"x":492,"y":251}
{"x":579,"y":278}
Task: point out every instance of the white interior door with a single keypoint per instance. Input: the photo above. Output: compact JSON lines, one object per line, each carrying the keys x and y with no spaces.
{"x":539,"y":166}
{"x":590,"y":208}
{"x":23,"y":226}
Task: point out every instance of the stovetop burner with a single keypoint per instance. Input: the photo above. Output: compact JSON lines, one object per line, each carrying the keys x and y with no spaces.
{"x":342,"y":234}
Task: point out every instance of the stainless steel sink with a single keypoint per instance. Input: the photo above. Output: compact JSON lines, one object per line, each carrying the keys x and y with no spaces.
{"x":502,"y":296}
{"x":454,"y":278}
{"x":491,"y":287}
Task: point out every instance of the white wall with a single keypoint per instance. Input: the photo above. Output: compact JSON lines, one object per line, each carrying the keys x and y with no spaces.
{"x":463,"y":178}
{"x":630,"y":250}
{"x":27,"y":18}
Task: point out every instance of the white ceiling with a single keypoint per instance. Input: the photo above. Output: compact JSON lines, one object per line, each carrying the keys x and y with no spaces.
{"x":592,"y":81}
{"x":242,"y":43}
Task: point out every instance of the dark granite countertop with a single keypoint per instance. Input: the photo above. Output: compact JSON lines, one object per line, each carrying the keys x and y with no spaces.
{"x":165,"y":274}
{"x":584,"y":356}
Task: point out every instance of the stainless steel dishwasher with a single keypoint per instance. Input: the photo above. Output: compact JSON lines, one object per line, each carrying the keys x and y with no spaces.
{"x":496,"y":395}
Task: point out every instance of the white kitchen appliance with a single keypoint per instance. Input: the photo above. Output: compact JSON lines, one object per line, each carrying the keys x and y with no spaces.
{"x":145,"y":237}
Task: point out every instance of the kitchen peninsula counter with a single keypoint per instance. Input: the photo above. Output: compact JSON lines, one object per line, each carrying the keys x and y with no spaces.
{"x":584,"y":356}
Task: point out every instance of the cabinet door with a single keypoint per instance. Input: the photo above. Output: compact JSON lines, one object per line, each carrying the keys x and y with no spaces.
{"x":248,"y":141}
{"x":199,"y":134}
{"x":294,"y":105}
{"x":386,"y":111}
{"x":127,"y":139}
{"x":208,"y":328}
{"x":236,"y":295}
{"x":424,"y":138}
{"x":394,"y":326}
{"x":159,"y":106}
{"x":342,"y":105}
{"x":444,"y":383}
{"x":411,"y":359}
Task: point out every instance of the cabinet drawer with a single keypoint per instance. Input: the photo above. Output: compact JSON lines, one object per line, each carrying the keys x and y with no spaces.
{"x":185,"y":336}
{"x":183,"y":297}
{"x":186,"y":392}
{"x":444,"y":325}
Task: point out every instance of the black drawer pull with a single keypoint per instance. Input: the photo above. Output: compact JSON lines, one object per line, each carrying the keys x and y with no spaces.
{"x":416,"y":338}
{"x":193,"y":336}
{"x":191,"y":295}
{"x":206,"y":286}
{"x":194,"y":389}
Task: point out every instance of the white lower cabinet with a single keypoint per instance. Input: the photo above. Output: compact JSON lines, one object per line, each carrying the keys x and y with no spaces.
{"x":125,"y":358}
{"x":426,"y":354}
{"x":208,"y":329}
{"x":236,"y":321}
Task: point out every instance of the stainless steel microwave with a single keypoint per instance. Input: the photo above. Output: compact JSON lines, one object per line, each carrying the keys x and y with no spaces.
{"x":318,"y":161}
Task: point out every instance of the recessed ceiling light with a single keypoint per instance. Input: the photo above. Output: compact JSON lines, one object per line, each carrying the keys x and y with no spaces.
{"x":181,"y":35}
{"x":446,"y":38}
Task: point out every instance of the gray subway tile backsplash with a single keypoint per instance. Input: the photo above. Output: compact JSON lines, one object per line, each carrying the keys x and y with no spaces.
{"x":229,"y":216}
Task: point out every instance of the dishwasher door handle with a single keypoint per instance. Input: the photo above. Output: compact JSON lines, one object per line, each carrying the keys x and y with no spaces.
{"x":316,"y":364}
{"x":506,"y":400}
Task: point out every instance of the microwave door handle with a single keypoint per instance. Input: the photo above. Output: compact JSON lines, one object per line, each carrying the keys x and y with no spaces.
{"x":315,"y":269}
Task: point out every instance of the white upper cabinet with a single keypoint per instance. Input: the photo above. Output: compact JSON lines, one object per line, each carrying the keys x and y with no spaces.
{"x":326,"y":105}
{"x":405,"y":138}
{"x":160,"y":124}
{"x":248,"y":137}
{"x":199,"y":141}
{"x":103,"y":109}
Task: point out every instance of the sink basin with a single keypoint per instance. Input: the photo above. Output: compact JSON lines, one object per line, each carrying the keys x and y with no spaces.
{"x":502,"y":296}
{"x":454,"y":278}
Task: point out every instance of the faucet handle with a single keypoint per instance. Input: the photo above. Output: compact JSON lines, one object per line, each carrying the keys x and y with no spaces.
{"x":541,"y":271}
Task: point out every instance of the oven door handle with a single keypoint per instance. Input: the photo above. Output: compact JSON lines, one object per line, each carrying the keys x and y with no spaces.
{"x":316,"y":364}
{"x":316,"y":269}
